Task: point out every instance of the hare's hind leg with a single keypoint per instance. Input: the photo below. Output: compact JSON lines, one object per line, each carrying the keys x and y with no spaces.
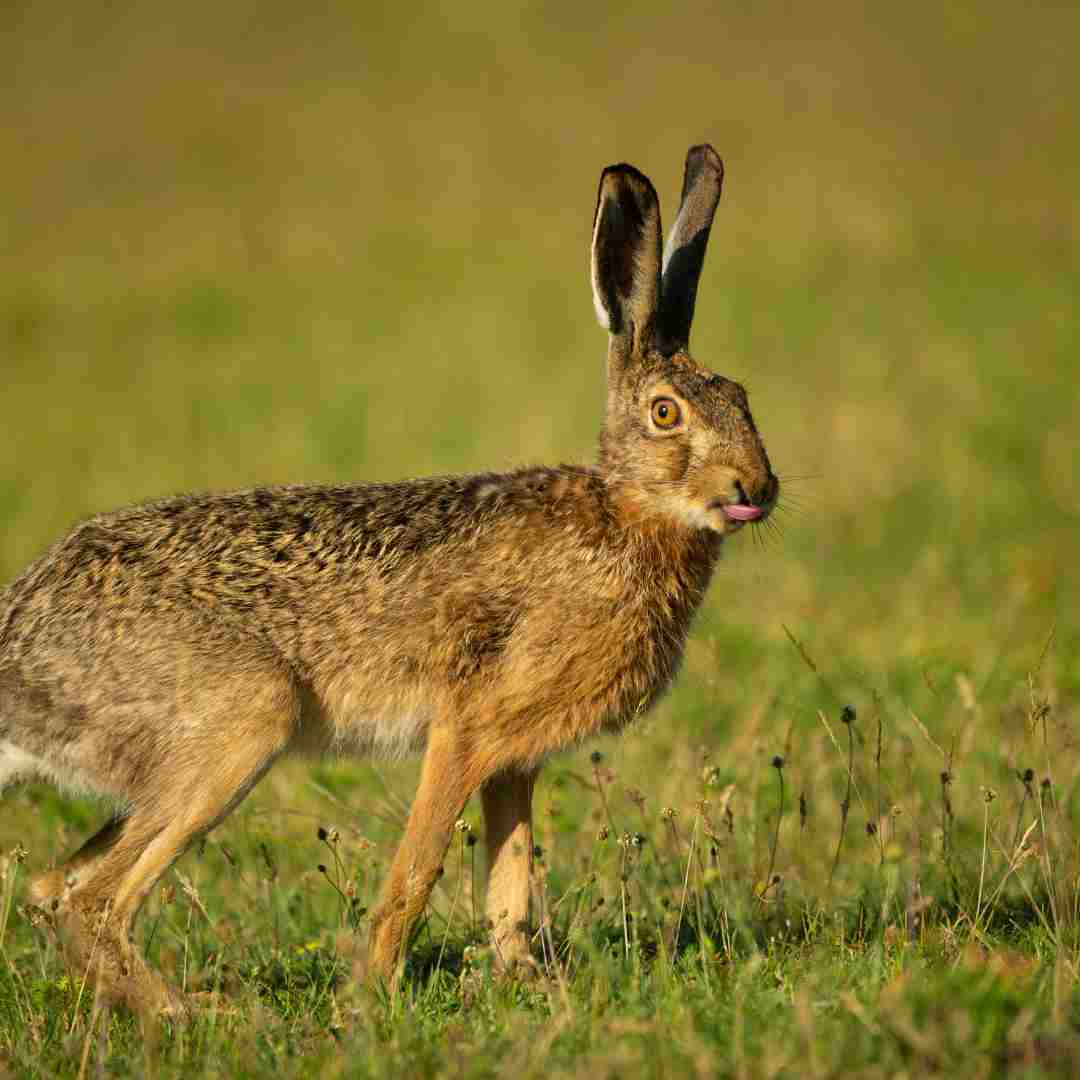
{"x":222,"y":753}
{"x":507,"y":801}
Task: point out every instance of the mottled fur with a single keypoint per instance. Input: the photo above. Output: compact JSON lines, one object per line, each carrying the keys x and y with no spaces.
{"x":166,"y":655}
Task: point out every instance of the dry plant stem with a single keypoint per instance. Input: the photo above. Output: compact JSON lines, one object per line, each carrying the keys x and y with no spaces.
{"x":877,"y":770}
{"x":453,"y":905}
{"x":472,"y":888}
{"x":982,"y":865}
{"x":657,"y":861}
{"x":549,"y":944}
{"x":701,"y":932}
{"x":946,"y":829}
{"x":808,"y":660}
{"x":1020,"y":812}
{"x":622,"y":892}
{"x":603,"y":799}
{"x":11,"y":872}
{"x":6,"y":901}
{"x":1048,"y":872}
{"x":1045,"y":716}
{"x":776,"y":834}
{"x":1041,"y":710}
{"x":187,"y":942}
{"x":1013,"y":860}
{"x":95,"y":1015}
{"x":685,"y":890}
{"x":845,"y":806}
{"x":549,"y":957}
{"x":102,"y":919}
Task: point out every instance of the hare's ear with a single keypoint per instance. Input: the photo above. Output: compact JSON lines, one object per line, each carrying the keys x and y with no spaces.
{"x":626,"y":255}
{"x":684,"y":252}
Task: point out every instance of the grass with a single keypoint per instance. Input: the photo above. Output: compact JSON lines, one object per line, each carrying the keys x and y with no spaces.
{"x":243,"y":247}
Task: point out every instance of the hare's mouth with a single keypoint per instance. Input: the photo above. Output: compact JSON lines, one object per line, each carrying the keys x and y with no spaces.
{"x":738,"y":513}
{"x":742,"y":511}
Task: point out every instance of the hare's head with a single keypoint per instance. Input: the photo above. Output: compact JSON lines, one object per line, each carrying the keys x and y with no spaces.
{"x":676,"y":432}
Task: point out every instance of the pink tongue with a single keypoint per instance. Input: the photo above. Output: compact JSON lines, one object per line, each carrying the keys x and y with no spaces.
{"x":739,"y":512}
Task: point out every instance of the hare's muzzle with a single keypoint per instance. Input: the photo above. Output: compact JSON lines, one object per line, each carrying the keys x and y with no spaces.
{"x":741,"y":507}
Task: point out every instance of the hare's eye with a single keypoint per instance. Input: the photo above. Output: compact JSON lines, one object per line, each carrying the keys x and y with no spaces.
{"x":665,"y":413}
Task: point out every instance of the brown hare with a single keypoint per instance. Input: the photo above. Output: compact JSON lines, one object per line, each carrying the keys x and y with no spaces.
{"x":166,"y":655}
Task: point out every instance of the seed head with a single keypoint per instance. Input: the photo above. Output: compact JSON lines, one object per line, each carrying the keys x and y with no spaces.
{"x":847,"y":714}
{"x":778,"y":763}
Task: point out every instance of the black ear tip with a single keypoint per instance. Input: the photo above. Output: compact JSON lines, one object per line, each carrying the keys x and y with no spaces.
{"x":703,"y":158}
{"x":622,"y":177}
{"x":618,"y":181}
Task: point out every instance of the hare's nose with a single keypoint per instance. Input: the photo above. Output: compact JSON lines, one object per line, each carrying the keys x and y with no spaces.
{"x":767,"y":492}
{"x":762,"y":493}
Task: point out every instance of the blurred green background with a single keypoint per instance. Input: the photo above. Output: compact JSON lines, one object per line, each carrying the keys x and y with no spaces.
{"x":252,"y":243}
{"x":246,"y":244}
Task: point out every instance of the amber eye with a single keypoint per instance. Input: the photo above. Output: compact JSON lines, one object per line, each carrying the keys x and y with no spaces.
{"x":665,"y":413}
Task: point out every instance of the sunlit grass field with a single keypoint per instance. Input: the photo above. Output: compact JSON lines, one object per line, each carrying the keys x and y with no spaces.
{"x":244,"y":245}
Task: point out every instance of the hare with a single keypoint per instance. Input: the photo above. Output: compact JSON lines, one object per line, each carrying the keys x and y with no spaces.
{"x":166,"y":655}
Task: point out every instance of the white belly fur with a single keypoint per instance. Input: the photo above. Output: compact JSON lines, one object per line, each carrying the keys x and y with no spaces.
{"x":17,"y":764}
{"x":350,"y":723}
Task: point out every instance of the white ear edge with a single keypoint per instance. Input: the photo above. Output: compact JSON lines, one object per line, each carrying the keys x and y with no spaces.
{"x":672,"y":239}
{"x":602,"y":316}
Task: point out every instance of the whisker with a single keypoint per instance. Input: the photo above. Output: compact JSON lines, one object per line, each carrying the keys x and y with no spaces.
{"x":798,"y":496}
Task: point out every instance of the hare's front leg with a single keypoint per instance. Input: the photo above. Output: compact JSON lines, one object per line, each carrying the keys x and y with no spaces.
{"x":447,"y":779}
{"x":507,"y":800}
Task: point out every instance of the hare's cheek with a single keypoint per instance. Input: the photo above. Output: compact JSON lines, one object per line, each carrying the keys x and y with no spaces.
{"x":670,"y":460}
{"x":693,"y":513}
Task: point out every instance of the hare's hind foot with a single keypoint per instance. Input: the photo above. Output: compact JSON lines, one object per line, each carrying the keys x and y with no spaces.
{"x":105,"y":964}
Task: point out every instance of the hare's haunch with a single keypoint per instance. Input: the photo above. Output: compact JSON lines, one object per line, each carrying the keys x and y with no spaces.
{"x":166,"y":655}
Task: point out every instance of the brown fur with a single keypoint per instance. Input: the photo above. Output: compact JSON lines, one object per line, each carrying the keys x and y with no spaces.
{"x":166,"y":655}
